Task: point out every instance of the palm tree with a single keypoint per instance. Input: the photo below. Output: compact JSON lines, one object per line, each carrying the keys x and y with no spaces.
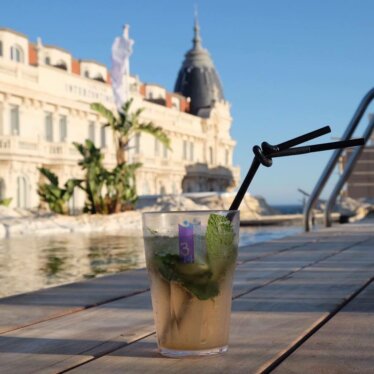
{"x":55,"y":196}
{"x":127,"y":124}
{"x":107,"y":191}
{"x":95,"y":175}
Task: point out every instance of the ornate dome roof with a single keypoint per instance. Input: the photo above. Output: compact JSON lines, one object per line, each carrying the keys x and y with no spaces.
{"x":197,"y":78}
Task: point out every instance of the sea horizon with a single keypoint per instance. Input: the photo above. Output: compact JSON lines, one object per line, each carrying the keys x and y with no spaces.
{"x":288,"y":208}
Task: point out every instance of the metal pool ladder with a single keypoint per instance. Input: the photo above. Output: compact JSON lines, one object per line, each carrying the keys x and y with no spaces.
{"x":368,"y":98}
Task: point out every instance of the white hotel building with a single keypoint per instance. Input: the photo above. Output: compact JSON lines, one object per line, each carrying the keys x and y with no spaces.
{"x":45,"y":96}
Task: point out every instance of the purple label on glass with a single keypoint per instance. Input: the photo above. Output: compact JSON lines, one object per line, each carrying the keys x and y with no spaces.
{"x":186,"y":243}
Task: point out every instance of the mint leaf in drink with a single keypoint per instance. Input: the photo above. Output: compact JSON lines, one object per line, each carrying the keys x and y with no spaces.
{"x":220,"y":245}
{"x":203,"y":291}
{"x":201,"y":278}
{"x":195,"y":278}
{"x":165,"y":265}
{"x":172,"y":269}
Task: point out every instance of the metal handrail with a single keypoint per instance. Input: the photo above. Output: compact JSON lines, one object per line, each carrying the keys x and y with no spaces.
{"x":346,"y":173}
{"x":335,"y":158}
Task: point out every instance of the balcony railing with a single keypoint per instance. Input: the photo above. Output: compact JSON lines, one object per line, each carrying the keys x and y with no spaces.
{"x":13,"y":147}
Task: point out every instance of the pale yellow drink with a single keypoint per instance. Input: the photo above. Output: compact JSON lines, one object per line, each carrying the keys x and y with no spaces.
{"x":183,"y":322}
{"x":192,"y":301}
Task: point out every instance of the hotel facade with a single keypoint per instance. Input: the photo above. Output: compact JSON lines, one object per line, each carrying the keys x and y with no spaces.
{"x":45,"y":97}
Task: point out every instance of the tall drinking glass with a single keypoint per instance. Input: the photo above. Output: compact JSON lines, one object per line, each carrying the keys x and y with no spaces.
{"x":191,"y":259}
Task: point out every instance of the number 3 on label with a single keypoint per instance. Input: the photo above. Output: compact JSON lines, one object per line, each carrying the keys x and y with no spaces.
{"x":185,"y":251}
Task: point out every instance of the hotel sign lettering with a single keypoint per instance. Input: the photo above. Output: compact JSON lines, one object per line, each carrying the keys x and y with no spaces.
{"x":89,"y":93}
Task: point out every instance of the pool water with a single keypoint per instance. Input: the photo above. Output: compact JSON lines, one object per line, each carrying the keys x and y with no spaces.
{"x":36,"y":262}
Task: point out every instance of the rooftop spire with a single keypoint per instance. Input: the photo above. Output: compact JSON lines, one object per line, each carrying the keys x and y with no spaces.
{"x":196,"y":38}
{"x":197,"y":78}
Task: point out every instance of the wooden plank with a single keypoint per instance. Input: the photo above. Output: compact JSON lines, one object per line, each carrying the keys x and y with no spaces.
{"x":285,"y":263}
{"x":283,"y":218}
{"x":300,"y":257}
{"x":342,"y":235}
{"x":25,"y":309}
{"x":265,"y":323}
{"x":63,"y":342}
{"x":345,"y":344}
{"x":76,"y":337}
{"x":57,"y":301}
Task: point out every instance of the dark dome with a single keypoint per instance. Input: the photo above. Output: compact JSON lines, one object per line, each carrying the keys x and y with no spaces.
{"x":197,"y":78}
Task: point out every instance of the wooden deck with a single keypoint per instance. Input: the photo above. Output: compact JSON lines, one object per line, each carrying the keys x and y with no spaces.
{"x":302,"y":304}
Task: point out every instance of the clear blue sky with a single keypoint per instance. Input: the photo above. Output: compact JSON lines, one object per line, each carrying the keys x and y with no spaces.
{"x":287,"y":67}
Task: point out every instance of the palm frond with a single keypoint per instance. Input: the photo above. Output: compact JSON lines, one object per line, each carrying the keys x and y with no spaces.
{"x":126,"y":106}
{"x":71,"y":184}
{"x":105,"y":112}
{"x":155,"y":131}
{"x":133,"y":166}
{"x":138,"y":112}
{"x":50,"y":175}
{"x":6,"y":201}
{"x":79,"y":147}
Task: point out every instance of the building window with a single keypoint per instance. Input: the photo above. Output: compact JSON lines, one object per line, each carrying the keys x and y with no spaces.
{"x":1,"y":48}
{"x":103,"y":137}
{"x":227,"y":156}
{"x":61,"y":65}
{"x":157,"y":147}
{"x":99,"y":78}
{"x":63,"y":128}
{"x":137,"y":143}
{"x":86,"y":74}
{"x":2,"y":189}
{"x":184,"y":149}
{"x":14,"y":120}
{"x":91,"y":131}
{"x":165,"y":153}
{"x":211,"y":155}
{"x":47,"y":60}
{"x":145,"y":188}
{"x":191,"y":151}
{"x":16,"y":53}
{"x":73,"y":203}
{"x":48,"y":127}
{"x":22,"y":196}
{"x":175,"y":103}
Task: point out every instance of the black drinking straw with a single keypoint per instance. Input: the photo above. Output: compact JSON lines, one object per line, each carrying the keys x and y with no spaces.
{"x":319,"y":147}
{"x":267,"y":147}
{"x":265,"y":154}
{"x":304,"y":138}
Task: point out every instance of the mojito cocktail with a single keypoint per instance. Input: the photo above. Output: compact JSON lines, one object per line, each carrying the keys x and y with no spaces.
{"x":191,"y":258}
